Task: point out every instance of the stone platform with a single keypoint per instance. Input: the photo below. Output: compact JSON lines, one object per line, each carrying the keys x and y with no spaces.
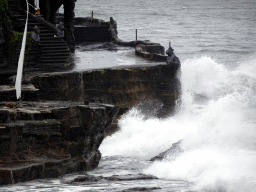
{"x":125,"y":86}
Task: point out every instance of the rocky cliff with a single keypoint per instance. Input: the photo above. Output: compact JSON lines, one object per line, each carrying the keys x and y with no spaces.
{"x":48,"y":139}
{"x":122,"y":86}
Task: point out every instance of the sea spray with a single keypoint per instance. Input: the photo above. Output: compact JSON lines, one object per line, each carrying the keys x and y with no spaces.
{"x":215,"y":123}
{"x":218,"y":155}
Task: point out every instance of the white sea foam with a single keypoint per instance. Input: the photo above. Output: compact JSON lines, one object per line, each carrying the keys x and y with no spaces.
{"x":215,"y":123}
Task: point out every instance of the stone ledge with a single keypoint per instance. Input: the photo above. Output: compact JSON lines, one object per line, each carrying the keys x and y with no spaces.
{"x":153,"y":52}
{"x":8,"y":93}
{"x":124,"y":86}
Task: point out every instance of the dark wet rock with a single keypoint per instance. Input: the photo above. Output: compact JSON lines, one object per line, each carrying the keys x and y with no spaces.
{"x":171,"y":153}
{"x":130,"y":177}
{"x":134,"y":189}
{"x":87,"y":178}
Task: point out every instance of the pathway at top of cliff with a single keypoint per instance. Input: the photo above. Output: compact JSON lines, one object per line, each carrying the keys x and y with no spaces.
{"x":105,"y":55}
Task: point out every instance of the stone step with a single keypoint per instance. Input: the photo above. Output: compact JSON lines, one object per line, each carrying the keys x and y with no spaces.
{"x":51,"y":39}
{"x":57,"y":40}
{"x":52,"y":65}
{"x":8,"y":93}
{"x":52,"y":62}
{"x":35,"y":23}
{"x":29,"y":124}
{"x":44,"y":37}
{"x":24,"y":20}
{"x":45,"y":31}
{"x":20,"y":16}
{"x":48,"y":57}
{"x":52,"y":48}
{"x":46,"y":34}
{"x":41,"y":27}
{"x":30,"y":111}
{"x":53,"y":54}
{"x":53,"y":43}
{"x":54,"y":59}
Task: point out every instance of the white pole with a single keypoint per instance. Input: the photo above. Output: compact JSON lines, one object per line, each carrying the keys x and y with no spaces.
{"x":21,"y":60}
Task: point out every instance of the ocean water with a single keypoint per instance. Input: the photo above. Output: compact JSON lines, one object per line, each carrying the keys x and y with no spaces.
{"x":215,"y":122}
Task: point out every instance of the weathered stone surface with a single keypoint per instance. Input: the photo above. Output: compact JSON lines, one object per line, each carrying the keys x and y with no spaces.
{"x":87,"y":178}
{"x":128,"y":177}
{"x":8,"y":93}
{"x":59,"y":86}
{"x":153,"y":52}
{"x":123,"y":86}
{"x":134,"y":189}
{"x":49,"y":139}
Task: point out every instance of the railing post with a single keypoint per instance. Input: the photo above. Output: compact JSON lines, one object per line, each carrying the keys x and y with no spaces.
{"x":91,"y":18}
{"x":136,"y":34}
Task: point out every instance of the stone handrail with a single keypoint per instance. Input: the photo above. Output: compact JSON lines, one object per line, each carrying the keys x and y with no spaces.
{"x":42,"y":21}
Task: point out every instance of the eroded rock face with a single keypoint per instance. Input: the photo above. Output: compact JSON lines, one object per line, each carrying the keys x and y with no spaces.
{"x":123,"y":86}
{"x":48,"y":139}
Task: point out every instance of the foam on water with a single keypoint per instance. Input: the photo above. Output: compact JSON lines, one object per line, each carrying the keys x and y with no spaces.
{"x":215,"y":123}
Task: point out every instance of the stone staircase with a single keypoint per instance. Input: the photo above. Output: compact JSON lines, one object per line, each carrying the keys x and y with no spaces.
{"x":54,"y":51}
